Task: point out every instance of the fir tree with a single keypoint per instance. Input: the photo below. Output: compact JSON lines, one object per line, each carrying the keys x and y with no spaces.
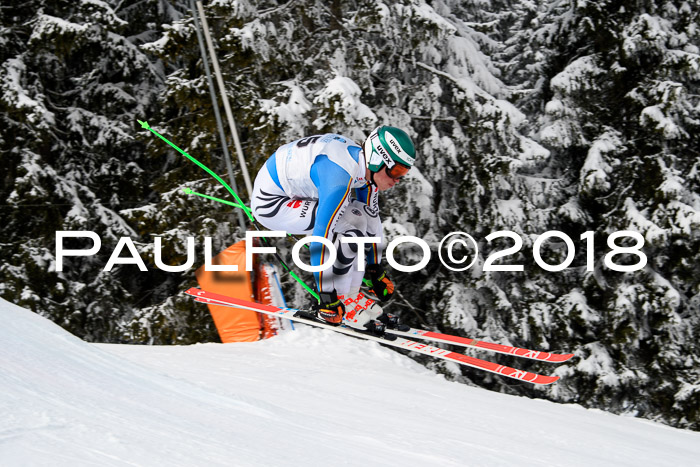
{"x":614,"y":97}
{"x":77,"y":80}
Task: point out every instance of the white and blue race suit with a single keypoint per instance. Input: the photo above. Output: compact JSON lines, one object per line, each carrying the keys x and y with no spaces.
{"x":317,"y":186}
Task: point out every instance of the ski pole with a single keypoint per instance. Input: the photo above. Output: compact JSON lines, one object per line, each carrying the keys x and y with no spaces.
{"x":202,"y":166}
{"x":189,"y":191}
{"x":239,"y":204}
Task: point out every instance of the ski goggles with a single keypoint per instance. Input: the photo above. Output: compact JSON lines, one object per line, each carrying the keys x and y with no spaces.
{"x":396,"y":171}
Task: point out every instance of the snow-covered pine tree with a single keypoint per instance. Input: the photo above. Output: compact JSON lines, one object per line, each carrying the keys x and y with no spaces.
{"x":76,"y":81}
{"x":186,"y":118}
{"x":614,"y":96}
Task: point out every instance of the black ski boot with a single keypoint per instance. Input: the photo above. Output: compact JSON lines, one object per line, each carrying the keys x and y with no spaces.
{"x":378,"y":328}
{"x":392,"y":322}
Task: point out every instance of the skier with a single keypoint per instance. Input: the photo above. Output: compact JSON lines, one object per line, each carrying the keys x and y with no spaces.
{"x":327,"y":185}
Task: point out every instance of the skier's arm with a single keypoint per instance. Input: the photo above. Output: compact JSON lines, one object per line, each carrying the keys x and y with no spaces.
{"x":376,"y":278}
{"x":333,"y":185}
{"x":374,"y":224}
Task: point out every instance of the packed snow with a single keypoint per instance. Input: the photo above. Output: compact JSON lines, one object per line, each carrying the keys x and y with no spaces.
{"x":307,"y":397}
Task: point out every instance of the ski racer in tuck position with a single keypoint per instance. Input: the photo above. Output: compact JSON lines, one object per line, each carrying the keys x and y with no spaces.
{"x":327,"y":186}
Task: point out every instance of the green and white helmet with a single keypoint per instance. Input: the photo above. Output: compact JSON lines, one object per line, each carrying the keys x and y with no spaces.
{"x":389,"y":146}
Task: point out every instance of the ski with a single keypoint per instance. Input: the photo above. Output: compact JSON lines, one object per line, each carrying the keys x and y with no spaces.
{"x":483,"y":345}
{"x":389,"y":339}
{"x":469,"y":342}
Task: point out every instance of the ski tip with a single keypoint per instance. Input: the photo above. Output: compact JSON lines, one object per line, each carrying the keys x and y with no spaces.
{"x":560,"y":358}
{"x":542,"y":380}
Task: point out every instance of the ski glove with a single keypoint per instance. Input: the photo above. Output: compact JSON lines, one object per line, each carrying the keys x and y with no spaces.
{"x":330,"y":308}
{"x":378,"y":282}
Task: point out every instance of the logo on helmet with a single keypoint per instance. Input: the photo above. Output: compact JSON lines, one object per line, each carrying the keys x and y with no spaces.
{"x":379,"y":149}
{"x":394,"y":145}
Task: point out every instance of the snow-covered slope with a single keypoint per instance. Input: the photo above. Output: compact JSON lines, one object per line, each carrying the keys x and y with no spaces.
{"x":307,"y":398}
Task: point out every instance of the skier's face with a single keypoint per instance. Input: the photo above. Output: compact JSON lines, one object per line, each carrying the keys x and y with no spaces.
{"x":384,"y":180}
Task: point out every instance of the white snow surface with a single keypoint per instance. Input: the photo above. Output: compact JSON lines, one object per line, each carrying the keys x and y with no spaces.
{"x":307,"y":397}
